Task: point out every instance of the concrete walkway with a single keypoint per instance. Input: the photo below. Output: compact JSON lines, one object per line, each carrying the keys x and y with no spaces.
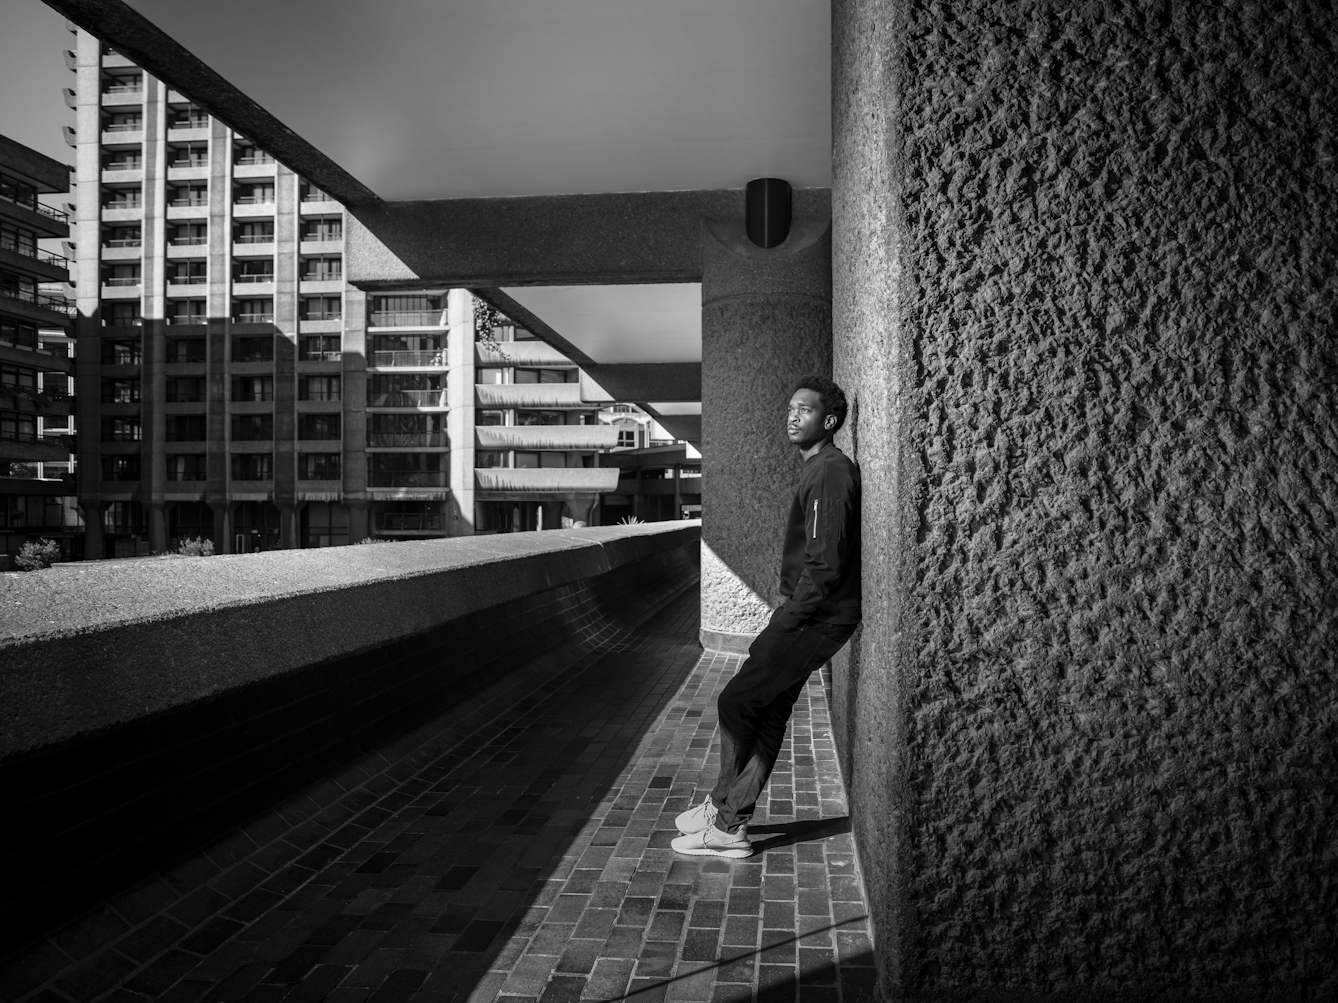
{"x":525,"y":860}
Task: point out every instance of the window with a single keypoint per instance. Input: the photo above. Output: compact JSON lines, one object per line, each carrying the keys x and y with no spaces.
{"x":196,"y":193}
{"x":19,"y":192}
{"x":320,"y":348}
{"x":320,"y":426}
{"x":406,"y":470}
{"x":121,"y":391}
{"x":322,"y":308}
{"x":327,"y":228}
{"x":250,"y":155}
{"x":181,"y":350}
{"x":121,"y":198}
{"x":626,"y":438}
{"x":123,"y":83}
{"x":121,"y":314}
{"x":123,"y":160}
{"x":318,"y":466}
{"x":253,"y":349}
{"x":255,"y":233}
{"x":485,"y":459}
{"x":17,"y":427}
{"x":17,"y":239}
{"x":187,"y":467}
{"x":489,"y":375}
{"x":252,"y":388}
{"x":253,"y":467}
{"x":120,"y":468}
{"x":258,"y":311}
{"x":120,"y":275}
{"x":190,"y":273}
{"x":318,"y":388}
{"x":186,"y":428}
{"x":187,"y":117}
{"x":541,"y":376}
{"x":322,"y":269}
{"x":489,"y":417}
{"x":187,"y":234}
{"x":120,"y":352}
{"x":123,"y":121}
{"x":121,"y":236}
{"x":252,"y":427}
{"x":398,"y":429}
{"x":18,"y":376}
{"x":185,"y":389}
{"x":526,"y":459}
{"x":310,"y":193}
{"x":13,"y":332}
{"x":260,"y":193}
{"x":324,"y":524}
{"x":551,"y":459}
{"x":406,"y":310}
{"x":122,"y":429}
{"x":254,"y":270}
{"x":185,"y":312}
{"x":540,"y":418}
{"x":188,"y":155}
{"x":406,"y":390}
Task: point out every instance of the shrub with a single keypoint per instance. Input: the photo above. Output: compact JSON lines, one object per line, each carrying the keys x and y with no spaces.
{"x":630,"y":520}
{"x":195,"y":546}
{"x":36,"y":554}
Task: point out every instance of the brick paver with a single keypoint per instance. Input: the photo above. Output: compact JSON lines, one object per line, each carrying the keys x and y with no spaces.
{"x":528,"y":863}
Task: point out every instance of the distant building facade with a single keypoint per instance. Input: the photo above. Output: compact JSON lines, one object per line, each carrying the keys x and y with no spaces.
{"x":36,"y":487}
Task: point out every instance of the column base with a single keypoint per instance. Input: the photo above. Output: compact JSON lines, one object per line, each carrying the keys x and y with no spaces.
{"x":723,"y":640}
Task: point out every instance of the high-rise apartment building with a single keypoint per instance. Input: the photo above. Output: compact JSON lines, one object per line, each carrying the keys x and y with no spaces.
{"x":35,"y":487}
{"x":233,"y":386}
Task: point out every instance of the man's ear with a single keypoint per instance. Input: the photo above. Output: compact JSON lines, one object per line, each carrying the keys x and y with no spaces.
{"x":829,"y":421}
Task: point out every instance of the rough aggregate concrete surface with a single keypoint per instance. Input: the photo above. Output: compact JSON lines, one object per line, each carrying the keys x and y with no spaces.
{"x":1111,"y":687}
{"x":89,"y":646}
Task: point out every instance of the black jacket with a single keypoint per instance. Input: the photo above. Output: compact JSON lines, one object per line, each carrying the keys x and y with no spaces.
{"x":820,"y":576}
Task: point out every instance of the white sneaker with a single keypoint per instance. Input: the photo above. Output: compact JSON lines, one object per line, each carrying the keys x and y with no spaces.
{"x":712,"y":842}
{"x":701,"y":818}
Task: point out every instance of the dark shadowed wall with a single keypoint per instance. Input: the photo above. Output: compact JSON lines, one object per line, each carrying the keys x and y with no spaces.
{"x":1084,"y":288}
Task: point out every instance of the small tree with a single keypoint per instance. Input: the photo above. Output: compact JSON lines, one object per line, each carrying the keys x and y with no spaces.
{"x":37,"y":554}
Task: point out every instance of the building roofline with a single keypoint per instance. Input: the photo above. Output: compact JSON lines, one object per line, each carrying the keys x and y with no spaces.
{"x":45,"y":173}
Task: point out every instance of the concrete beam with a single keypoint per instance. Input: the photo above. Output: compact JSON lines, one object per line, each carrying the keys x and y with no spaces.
{"x":543,"y":239}
{"x":681,"y":426}
{"x":144,"y":43}
{"x":659,"y":381}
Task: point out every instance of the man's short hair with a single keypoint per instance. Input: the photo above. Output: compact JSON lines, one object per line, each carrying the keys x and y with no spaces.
{"x":832,"y":397}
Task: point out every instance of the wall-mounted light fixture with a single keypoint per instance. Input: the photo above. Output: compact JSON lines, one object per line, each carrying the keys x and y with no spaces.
{"x":767,"y":211}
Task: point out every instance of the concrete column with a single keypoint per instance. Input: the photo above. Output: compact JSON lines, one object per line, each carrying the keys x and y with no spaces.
{"x":678,"y":495}
{"x":354,"y":392}
{"x":156,"y":516}
{"x":218,"y":309}
{"x":287,"y":524}
{"x":286,"y":223}
{"x":87,"y":264}
{"x":358,"y":527}
{"x":766,"y":321}
{"x":460,"y":351}
{"x":153,"y":309}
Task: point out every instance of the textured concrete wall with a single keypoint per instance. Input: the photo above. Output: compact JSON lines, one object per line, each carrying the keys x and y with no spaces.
{"x":1084,"y":289}
{"x":766,"y":321}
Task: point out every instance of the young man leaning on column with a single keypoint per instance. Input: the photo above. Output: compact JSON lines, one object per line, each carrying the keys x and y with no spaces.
{"x":820,"y":579}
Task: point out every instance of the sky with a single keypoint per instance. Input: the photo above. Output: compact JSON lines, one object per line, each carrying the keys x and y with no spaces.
{"x":32,"y":76}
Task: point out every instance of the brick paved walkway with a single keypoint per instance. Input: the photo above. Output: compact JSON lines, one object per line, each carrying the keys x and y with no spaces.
{"x":529,"y":863}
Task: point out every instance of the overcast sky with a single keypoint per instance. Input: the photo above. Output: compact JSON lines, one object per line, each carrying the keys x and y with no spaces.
{"x":32,"y":75}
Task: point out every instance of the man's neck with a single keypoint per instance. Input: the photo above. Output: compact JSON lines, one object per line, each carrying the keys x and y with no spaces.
{"x":811,"y":451}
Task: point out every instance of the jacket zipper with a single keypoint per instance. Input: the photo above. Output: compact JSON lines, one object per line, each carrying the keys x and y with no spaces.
{"x":815,"y":518}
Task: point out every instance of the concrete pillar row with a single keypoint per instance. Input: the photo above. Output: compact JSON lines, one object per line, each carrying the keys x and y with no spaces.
{"x":766,"y":322}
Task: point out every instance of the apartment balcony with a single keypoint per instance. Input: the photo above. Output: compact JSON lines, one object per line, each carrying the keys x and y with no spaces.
{"x":320,"y":287}
{"x":408,"y":360}
{"x":253,"y":169}
{"x":320,"y":207}
{"x":408,"y":478}
{"x":122,"y":97}
{"x":122,"y":249}
{"x":521,"y":353}
{"x":119,"y":135}
{"x":321,"y":324}
{"x":21,"y":448}
{"x":41,"y":265}
{"x":187,"y":247}
{"x":407,"y":440}
{"x":193,"y":211}
{"x":33,"y":215}
{"x":189,"y":132}
{"x":254,"y":287}
{"x":187,"y":172}
{"x":547,"y":480}
{"x":119,"y":174}
{"x":191,"y":286}
{"x":40,"y":308}
{"x":253,"y":248}
{"x":413,"y":400}
{"x":334,"y":245}
{"x":253,"y":210}
{"x":529,"y":395}
{"x":582,"y":437}
{"x":406,"y":320}
{"x":121,"y":289}
{"x":18,"y":350}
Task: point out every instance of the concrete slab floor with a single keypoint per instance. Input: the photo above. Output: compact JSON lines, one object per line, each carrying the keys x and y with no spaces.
{"x":525,"y":862}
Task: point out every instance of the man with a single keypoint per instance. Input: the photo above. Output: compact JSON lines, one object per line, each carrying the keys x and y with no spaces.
{"x":820,"y":579}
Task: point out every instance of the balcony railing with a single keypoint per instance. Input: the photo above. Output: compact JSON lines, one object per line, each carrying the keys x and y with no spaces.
{"x":407,"y":398}
{"x":437,"y":358}
{"x":254,"y":277}
{"x":186,"y":280}
{"x":323,"y":315}
{"x":190,"y":123}
{"x":254,"y":238}
{"x":255,"y":318}
{"x":263,"y":199}
{"x":124,"y":242}
{"x":30,"y":251}
{"x":408,"y":478}
{"x":124,"y":127}
{"x":408,"y":522}
{"x":125,"y":204}
{"x":320,"y":356}
{"x":186,"y":318}
{"x":255,"y":160}
{"x":184,"y":241}
{"x":392,"y":440}
{"x":316,"y":195}
{"x":135,"y":88}
{"x":322,"y":276}
{"x":409,"y":318}
{"x":122,"y":280}
{"x":37,"y":207}
{"x":323,"y":236}
{"x":44,"y":300}
{"x":189,"y":201}
{"x":125,"y":165}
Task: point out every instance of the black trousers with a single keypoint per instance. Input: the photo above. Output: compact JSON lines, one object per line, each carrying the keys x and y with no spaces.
{"x":755,"y":708}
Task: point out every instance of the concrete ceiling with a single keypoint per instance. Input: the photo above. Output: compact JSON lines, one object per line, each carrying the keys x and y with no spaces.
{"x":622,"y":323}
{"x":431,"y":99}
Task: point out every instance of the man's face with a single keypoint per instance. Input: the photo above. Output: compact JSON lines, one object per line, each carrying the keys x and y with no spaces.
{"x":806,"y":423}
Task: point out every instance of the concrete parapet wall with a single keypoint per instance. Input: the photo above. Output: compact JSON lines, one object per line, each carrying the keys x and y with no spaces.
{"x":86,"y":647}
